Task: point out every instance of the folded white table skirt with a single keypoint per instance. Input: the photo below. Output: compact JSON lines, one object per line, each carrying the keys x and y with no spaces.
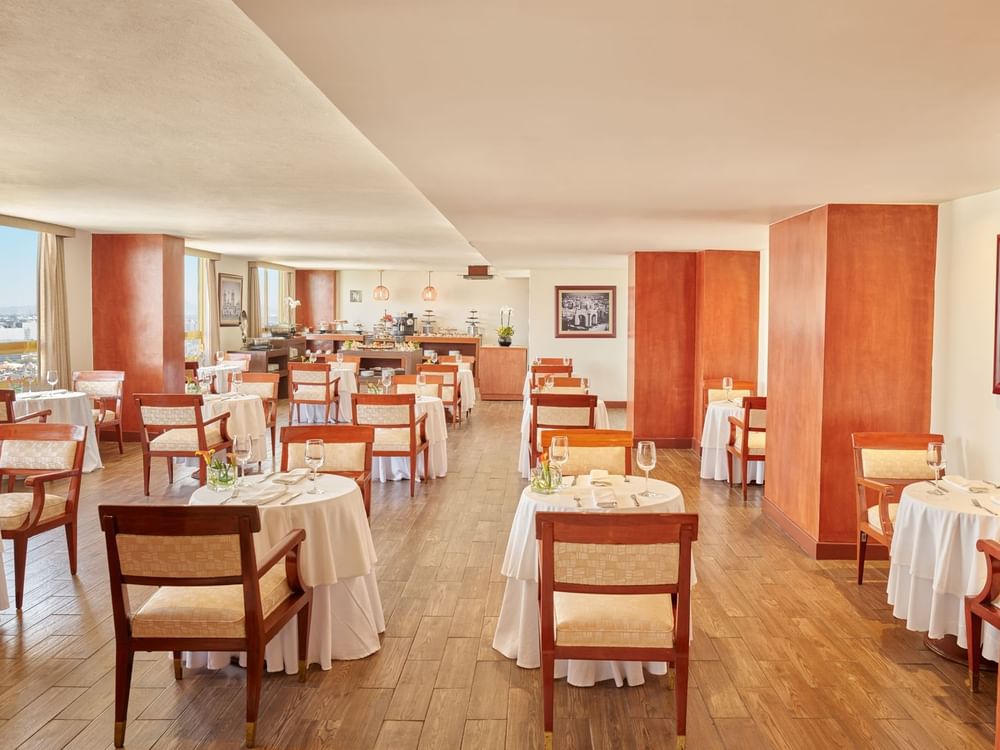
{"x":344,"y":624}
{"x":393,"y":468}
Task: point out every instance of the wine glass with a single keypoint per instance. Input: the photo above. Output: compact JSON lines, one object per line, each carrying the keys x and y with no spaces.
{"x":340,"y":357}
{"x":220,"y":357}
{"x":421,"y":382}
{"x":565,"y":361}
{"x":204,"y":382}
{"x":434,"y":357}
{"x":315,"y":453}
{"x":645,"y":459}
{"x":585,"y":383}
{"x":242,"y":449}
{"x":236,"y":381}
{"x":51,"y":377}
{"x":936,"y":460}
{"x":550,"y":382}
{"x":386,"y":379}
{"x":559,"y":451}
{"x":727,"y":386}
{"x":458,"y":358}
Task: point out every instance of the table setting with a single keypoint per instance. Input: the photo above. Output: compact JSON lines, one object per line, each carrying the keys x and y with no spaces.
{"x":220,"y":373}
{"x":67,"y":407}
{"x":517,"y":628}
{"x":715,"y":438}
{"x":338,"y":561}
{"x":389,"y":468}
{"x":246,"y":417}
{"x":601,"y":422}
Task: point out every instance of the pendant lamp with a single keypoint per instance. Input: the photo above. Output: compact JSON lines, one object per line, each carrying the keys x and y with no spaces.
{"x":381,"y":292}
{"x":429,"y":293}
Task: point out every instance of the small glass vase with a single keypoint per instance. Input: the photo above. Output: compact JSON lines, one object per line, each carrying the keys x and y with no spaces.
{"x":221,"y":477}
{"x":545,"y":481}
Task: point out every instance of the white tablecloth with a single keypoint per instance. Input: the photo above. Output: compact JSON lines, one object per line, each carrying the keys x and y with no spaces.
{"x":517,"y":633}
{"x":220,"y":373}
{"x":934,"y":563}
{"x":437,"y":449}
{"x":601,"y":422}
{"x":68,"y":407}
{"x":467,"y":384}
{"x":4,"y":601}
{"x":338,"y":560}
{"x":715,"y":436}
{"x":313,"y":413}
{"x":246,"y":417}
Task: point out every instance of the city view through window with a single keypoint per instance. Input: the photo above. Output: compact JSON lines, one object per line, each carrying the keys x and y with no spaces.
{"x":18,"y":307}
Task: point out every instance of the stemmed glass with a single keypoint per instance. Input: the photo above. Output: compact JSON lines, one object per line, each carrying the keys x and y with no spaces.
{"x":727,"y":386}
{"x":51,"y":377}
{"x":421,"y":382}
{"x":645,"y":459}
{"x":434,"y":357}
{"x":205,"y":382}
{"x":585,"y":383}
{"x":315,"y":453}
{"x":220,"y":357}
{"x":458,"y":358}
{"x":936,"y":460}
{"x":559,"y":451}
{"x":550,"y":382}
{"x":565,"y":361}
{"x":242,"y":449}
{"x":236,"y":381}
{"x":340,"y":357}
{"x":386,"y":379}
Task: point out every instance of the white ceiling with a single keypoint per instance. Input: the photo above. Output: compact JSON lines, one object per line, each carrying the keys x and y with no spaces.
{"x":181,"y":116}
{"x":557,"y":132}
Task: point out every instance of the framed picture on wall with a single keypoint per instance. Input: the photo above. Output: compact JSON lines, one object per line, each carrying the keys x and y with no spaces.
{"x":996,"y":325}
{"x":585,"y":312}
{"x":230,"y":299}
{"x":355,"y":295}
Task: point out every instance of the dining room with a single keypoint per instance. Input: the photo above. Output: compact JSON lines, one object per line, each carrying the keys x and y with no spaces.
{"x":454,"y":375}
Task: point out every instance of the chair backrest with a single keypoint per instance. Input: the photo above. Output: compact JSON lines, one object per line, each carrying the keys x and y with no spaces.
{"x":7,"y":398}
{"x":159,"y":412}
{"x":617,"y":553}
{"x":554,"y":361}
{"x":894,"y":458}
{"x":562,"y":389}
{"x":562,"y":382}
{"x":348,"y":362}
{"x":540,"y":372}
{"x":243,"y":358}
{"x":306,"y":374}
{"x":27,"y":449}
{"x":450,"y":359}
{"x":346,"y":447}
{"x":263,"y":384}
{"x":450,"y":393}
{"x":562,"y":410}
{"x":408,"y":384}
{"x":610,"y":450}
{"x":393,"y":415}
{"x":104,"y":386}
{"x":712,"y":390}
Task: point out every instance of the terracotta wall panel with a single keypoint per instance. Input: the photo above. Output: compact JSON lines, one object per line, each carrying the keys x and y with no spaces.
{"x":317,"y":291}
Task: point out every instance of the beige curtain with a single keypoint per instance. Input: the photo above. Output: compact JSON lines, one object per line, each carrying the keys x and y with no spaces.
{"x":283,"y":294}
{"x":253,"y":301}
{"x":53,"y":317}
{"x":210,"y":304}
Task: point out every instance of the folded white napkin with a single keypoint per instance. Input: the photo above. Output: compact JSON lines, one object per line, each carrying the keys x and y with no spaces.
{"x":291,"y":477}
{"x":958,"y":482}
{"x":598,"y":474}
{"x":260,"y":495}
{"x":567,"y":481}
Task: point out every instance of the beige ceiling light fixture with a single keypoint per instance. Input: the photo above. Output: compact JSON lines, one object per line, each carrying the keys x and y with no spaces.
{"x":429,"y":293}
{"x":381,"y":292}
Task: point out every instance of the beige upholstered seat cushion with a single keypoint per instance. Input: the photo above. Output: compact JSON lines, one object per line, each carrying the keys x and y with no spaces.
{"x":757,"y":442}
{"x":14,"y":507}
{"x":185,"y":439}
{"x":637,"y":620}
{"x":391,"y":439}
{"x":873,"y":517}
{"x":206,"y":611}
{"x":3,"y":413}
{"x":109,"y":416}
{"x":99,"y":388}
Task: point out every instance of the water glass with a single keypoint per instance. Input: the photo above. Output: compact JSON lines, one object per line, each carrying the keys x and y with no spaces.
{"x":236,"y":381}
{"x":458,"y":358}
{"x":936,"y":461}
{"x":559,"y":451}
{"x":243,"y":450}
{"x":315,"y":453}
{"x":550,"y":382}
{"x":340,"y":357}
{"x":386,"y":379}
{"x":645,"y":459}
{"x":51,"y":377}
{"x":220,"y":357}
{"x":727,"y":386}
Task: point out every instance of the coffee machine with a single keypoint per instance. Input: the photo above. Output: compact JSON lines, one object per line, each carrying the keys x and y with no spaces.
{"x":405,"y":325}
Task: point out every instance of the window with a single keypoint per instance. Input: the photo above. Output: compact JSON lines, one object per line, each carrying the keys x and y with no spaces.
{"x":18,"y":307}
{"x":194,"y":308}
{"x":272,"y":293}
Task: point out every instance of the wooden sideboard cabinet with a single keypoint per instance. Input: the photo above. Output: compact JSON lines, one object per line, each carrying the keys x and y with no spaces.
{"x":501,"y":372}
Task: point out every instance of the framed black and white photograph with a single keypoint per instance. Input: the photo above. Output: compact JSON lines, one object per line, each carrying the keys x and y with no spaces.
{"x":355,"y":295}
{"x":585,"y":312}
{"x":230,"y":299}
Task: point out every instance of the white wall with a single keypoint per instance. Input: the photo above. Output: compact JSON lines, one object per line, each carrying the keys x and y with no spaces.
{"x":456,"y":297}
{"x":77,"y":252}
{"x":963,"y":406}
{"x":230,"y":338}
{"x":604,"y":361}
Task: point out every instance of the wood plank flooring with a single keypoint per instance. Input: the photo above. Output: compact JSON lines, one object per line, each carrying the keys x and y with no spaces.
{"x":788,"y":653}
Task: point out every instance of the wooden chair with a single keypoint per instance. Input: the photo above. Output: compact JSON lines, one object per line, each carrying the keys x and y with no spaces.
{"x":451,"y":391}
{"x":243,"y":358}
{"x":615,"y":587}
{"x":41,"y":454}
{"x":347,"y":449}
{"x":7,"y":399}
{"x":215,"y":594}
{"x":540,"y":372}
{"x":610,"y":450}
{"x":105,"y":388}
{"x":313,"y":383}
{"x":349,"y":362}
{"x":983,"y":607}
{"x":559,"y":410}
{"x":467,"y":362}
{"x":408,"y":384}
{"x":265,"y":385}
{"x":747,"y":437}
{"x":399,"y":432}
{"x":884,"y":463}
{"x":171,"y":425}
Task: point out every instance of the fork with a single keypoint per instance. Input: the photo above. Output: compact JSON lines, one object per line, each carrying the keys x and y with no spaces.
{"x":981,"y":507}
{"x":577,"y":499}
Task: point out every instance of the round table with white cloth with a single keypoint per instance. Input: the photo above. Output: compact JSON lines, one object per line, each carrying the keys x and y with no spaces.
{"x":715,"y":437}
{"x":934,"y":563}
{"x":68,"y":407}
{"x":246,"y":417}
{"x":348,"y":385}
{"x":338,"y":561}
{"x":220,"y":373}
{"x":517,"y":630}
{"x":398,"y":467}
{"x":601,"y":422}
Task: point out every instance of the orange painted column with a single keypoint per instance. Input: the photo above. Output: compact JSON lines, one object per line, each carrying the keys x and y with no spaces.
{"x":317,"y":291}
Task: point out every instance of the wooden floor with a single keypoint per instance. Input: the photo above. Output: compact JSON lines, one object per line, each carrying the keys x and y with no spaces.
{"x":787,"y":652}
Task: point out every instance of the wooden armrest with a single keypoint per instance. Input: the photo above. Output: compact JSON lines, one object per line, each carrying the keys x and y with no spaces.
{"x":736,"y":422}
{"x":871,"y":484}
{"x":50,"y":476}
{"x":42,"y":415}
{"x":282,"y":549}
{"x":363,"y":478}
{"x":219,"y":418}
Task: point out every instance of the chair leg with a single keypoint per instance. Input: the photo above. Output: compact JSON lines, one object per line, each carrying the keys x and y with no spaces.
{"x":413,"y":474}
{"x":178,"y":667}
{"x":20,"y":564}
{"x":729,"y":468}
{"x":862,"y":549}
{"x":291,"y":406}
{"x":974,"y":634}
{"x":274,"y":450}
{"x":170,"y":470}
{"x":681,"y":696}
{"x":123,"y":681}
{"x":743,"y":469}
{"x":255,"y":676}
{"x":145,"y":472}
{"x":548,"y":695}
{"x":121,"y":438}
{"x":71,"y":546}
{"x":303,"y":625}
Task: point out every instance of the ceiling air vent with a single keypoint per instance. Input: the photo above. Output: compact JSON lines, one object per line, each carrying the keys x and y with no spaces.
{"x":478,"y":272}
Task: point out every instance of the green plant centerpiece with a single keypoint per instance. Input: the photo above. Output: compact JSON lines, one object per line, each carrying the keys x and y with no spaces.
{"x":505,"y":333}
{"x":546,"y":477}
{"x":220,"y":475}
